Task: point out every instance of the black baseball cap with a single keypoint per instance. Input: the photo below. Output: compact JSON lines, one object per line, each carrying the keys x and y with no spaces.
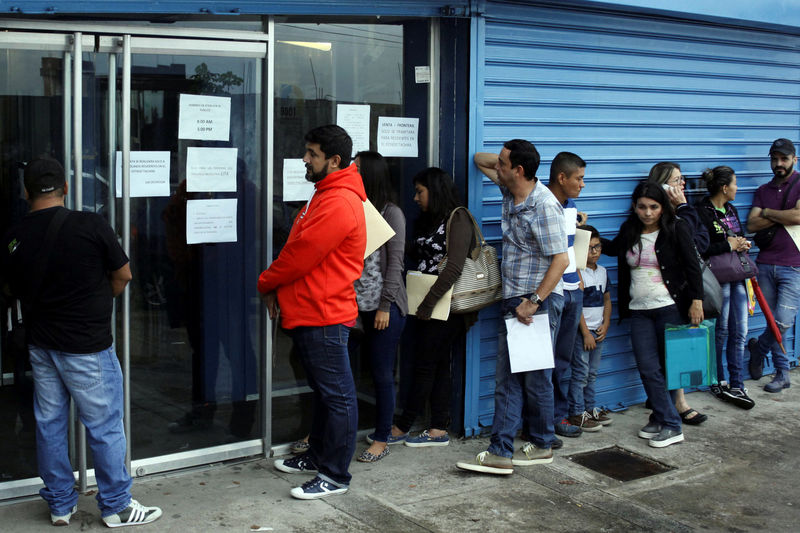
{"x":43,"y":175}
{"x":784,"y":146}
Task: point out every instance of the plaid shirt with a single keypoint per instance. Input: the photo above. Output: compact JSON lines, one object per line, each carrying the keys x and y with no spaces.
{"x":532,"y":232}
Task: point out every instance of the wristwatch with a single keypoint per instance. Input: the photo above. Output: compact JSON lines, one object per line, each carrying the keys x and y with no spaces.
{"x":535,"y":299}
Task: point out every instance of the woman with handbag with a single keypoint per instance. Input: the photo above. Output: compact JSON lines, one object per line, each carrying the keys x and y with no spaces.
{"x":382,"y":302}
{"x":659,"y":283}
{"x":727,"y":252}
{"x":668,"y":175}
{"x":437,"y":198}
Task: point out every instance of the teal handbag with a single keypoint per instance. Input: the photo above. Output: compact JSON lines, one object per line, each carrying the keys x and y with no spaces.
{"x":691,"y":355}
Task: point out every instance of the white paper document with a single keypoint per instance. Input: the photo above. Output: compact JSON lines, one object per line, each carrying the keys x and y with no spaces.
{"x":398,"y":136}
{"x":581,"y":247}
{"x":149,"y":174}
{"x":794,"y":233}
{"x":211,"y":220}
{"x":417,"y":287}
{"x":204,"y":118}
{"x":529,"y":346}
{"x":354,"y":119}
{"x":211,"y":169}
{"x":378,"y":230}
{"x":296,"y":188}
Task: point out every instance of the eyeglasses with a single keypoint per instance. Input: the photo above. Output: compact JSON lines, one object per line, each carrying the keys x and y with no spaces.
{"x":596,"y":248}
{"x":676,"y":180}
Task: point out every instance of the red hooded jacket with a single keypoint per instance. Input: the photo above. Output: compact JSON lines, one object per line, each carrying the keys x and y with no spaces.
{"x":324,"y":255}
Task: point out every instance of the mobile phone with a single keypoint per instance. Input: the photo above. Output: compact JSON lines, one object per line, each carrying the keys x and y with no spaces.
{"x":666,"y":187}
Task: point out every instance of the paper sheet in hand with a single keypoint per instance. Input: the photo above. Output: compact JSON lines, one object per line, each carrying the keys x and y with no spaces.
{"x":794,"y":233}
{"x":417,"y":287}
{"x":581,"y":247}
{"x":378,"y":230}
{"x":529,"y":346}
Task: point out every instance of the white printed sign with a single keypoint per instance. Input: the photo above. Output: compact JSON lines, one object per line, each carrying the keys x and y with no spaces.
{"x":211,"y":169}
{"x":398,"y":136}
{"x":149,"y":174}
{"x":204,"y":118}
{"x":296,"y":188}
{"x":211,"y":220}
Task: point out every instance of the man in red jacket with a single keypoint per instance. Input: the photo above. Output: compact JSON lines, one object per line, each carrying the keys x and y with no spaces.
{"x":312,"y":283}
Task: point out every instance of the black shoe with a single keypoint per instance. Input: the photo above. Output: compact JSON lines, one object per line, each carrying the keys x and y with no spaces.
{"x":756,"y":364}
{"x":557,"y":444}
{"x":720,"y":390}
{"x":739,"y":398}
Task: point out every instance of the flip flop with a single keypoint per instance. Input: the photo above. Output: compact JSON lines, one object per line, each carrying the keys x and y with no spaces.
{"x":695,"y":420}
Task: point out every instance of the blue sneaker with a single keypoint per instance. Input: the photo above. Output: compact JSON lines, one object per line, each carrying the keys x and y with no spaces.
{"x":425,"y":439}
{"x":779,"y":382}
{"x":390,"y":440}
{"x":300,"y":464}
{"x":316,"y":488}
{"x":565,"y":429}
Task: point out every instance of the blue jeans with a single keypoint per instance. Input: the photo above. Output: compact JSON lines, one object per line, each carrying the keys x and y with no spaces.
{"x":781,"y":288}
{"x":382,"y":347}
{"x":584,"y":375}
{"x":94,"y":381}
{"x":732,"y":326}
{"x":522,"y":397}
{"x":647,"y":338}
{"x":563,"y":348}
{"x":334,"y":419}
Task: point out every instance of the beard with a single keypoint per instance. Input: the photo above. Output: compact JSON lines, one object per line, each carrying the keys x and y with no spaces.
{"x":314,"y":177}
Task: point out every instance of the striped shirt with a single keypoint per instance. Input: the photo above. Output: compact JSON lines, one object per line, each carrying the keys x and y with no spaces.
{"x":533,"y":231}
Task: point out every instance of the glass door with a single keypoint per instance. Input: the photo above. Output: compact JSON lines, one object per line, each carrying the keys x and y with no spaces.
{"x":185,"y":116}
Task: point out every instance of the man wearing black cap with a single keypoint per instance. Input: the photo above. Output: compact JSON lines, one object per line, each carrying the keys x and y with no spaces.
{"x":777,"y":204}
{"x":66,"y":267}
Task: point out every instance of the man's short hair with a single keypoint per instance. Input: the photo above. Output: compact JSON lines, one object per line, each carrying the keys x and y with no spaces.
{"x":332,"y":140}
{"x":523,"y":153}
{"x":565,"y":162}
{"x":44,"y":175}
{"x":783,"y":146}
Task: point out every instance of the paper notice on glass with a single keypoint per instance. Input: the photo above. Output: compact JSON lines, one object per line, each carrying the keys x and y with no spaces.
{"x":398,"y":136}
{"x":149,"y":174}
{"x":296,"y":188}
{"x":529,"y":346}
{"x":211,"y":220}
{"x":211,"y":169}
{"x":581,"y":247}
{"x":417,"y":287}
{"x":354,"y":119}
{"x":205,"y":118}
{"x":378,"y":230}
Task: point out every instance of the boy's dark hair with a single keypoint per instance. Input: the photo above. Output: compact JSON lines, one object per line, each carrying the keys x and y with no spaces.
{"x":594,"y":233}
{"x":565,"y":162}
{"x":44,"y":175}
{"x":332,"y":140}
{"x":523,"y":153}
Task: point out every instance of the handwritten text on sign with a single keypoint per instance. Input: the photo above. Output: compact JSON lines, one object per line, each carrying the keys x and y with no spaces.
{"x":398,"y":136}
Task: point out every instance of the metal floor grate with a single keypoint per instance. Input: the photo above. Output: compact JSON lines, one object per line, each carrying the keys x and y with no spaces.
{"x":620,"y":464}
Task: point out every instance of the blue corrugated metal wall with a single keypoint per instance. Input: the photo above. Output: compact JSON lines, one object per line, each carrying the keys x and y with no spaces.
{"x":624,"y":91}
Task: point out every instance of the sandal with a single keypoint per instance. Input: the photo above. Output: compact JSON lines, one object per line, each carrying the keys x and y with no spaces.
{"x":367,"y":457}
{"x":693,"y":420}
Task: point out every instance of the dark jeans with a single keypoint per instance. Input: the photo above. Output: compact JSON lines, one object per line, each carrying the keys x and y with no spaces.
{"x":323,"y":352}
{"x":647,"y":338}
{"x":432,"y":375}
{"x":524,"y":397}
{"x":382,"y":349}
{"x":563,"y":349}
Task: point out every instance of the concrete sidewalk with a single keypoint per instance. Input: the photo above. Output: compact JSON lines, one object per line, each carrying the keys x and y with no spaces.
{"x":736,"y":472}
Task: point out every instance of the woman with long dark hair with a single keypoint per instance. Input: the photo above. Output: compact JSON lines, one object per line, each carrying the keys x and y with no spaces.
{"x":660,"y":283}
{"x":726,"y":235}
{"x":668,"y":175}
{"x":437,"y":198}
{"x":382,"y":301}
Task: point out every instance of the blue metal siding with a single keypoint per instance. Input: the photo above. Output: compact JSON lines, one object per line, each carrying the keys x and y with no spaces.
{"x":623,"y":92}
{"x":417,"y":8}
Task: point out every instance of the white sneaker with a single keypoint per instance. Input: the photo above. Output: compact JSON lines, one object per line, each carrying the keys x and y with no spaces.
{"x":135,"y":514}
{"x":63,"y":520}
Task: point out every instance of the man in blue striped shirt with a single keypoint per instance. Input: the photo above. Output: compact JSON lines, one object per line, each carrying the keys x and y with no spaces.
{"x":534,"y":259}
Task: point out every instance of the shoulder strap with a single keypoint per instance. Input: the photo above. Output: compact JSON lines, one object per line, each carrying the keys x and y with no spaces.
{"x":43,"y":257}
{"x":479,"y":242}
{"x":789,"y":188}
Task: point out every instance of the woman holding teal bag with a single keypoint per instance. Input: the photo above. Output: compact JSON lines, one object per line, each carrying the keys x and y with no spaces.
{"x":660,"y":283}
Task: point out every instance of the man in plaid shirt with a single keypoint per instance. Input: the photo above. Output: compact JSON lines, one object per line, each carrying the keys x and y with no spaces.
{"x":534,"y":259}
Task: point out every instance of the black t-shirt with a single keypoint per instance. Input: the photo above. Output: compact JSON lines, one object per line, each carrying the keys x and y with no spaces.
{"x":73,"y":310}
